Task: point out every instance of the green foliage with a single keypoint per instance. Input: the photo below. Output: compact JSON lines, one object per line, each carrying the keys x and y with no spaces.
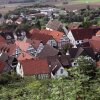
{"x":78,"y":86}
{"x":86,"y":65}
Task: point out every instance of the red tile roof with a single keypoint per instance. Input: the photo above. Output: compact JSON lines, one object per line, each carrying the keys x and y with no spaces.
{"x":38,"y":35}
{"x":23,"y":45}
{"x":2,"y":40}
{"x":35,"y":66}
{"x":96,"y":38}
{"x":9,"y":49}
{"x":81,"y":34}
{"x":95,"y":44}
{"x":35,"y":43}
{"x":24,"y":56}
{"x":45,"y":35}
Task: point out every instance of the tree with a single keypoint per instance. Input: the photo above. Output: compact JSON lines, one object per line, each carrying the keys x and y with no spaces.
{"x":86,"y":65}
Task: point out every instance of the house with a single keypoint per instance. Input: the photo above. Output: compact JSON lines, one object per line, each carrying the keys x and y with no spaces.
{"x":2,"y":40}
{"x":77,"y":36}
{"x":24,"y":47}
{"x":8,"y":35}
{"x":9,"y":21}
{"x":36,"y":34}
{"x":56,"y":68}
{"x":36,"y":68}
{"x":47,"y":52}
{"x":19,"y":20}
{"x":20,"y":34}
{"x":52,"y":38}
{"x":8,"y":48}
{"x":8,"y":63}
{"x":60,"y":38}
{"x":76,"y":52}
{"x":54,"y":25}
{"x":95,"y":45}
{"x":28,"y":48}
{"x":74,"y":25}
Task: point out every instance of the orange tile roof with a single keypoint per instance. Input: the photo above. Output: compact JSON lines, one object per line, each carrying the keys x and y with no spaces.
{"x":23,"y":45}
{"x":24,"y":56}
{"x":55,"y":34}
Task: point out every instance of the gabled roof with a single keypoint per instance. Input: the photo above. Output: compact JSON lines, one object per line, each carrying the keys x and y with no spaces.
{"x":45,"y":35}
{"x":8,"y":62}
{"x":8,"y":48}
{"x":65,"y":60}
{"x":6,"y":33}
{"x":75,"y":52}
{"x":54,"y":64}
{"x":24,"y":56}
{"x":74,"y":25}
{"x":2,"y":40}
{"x":47,"y":51}
{"x":95,"y":44}
{"x":23,"y":45}
{"x":35,"y":67}
{"x":96,"y":38}
{"x":35,"y":43}
{"x":54,"y":24}
{"x":88,"y":51}
{"x":57,"y":35}
{"x":84,"y":44}
{"x":81,"y":34}
{"x":36,"y":34}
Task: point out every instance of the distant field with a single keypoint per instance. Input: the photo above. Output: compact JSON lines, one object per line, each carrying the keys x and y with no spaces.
{"x":86,"y":1}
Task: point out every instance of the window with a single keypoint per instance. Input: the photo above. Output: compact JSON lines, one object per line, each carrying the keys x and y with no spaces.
{"x":61,"y":71}
{"x":31,"y":50}
{"x":41,"y":46}
{"x":77,"y":41}
{"x":17,"y":52}
{"x":75,"y":63}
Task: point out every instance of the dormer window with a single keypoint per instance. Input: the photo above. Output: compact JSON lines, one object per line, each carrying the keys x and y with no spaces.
{"x":8,"y":37}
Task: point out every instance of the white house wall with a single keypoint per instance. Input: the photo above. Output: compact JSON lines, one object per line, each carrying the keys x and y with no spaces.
{"x":71,"y":37}
{"x":19,"y":70}
{"x":58,"y":73}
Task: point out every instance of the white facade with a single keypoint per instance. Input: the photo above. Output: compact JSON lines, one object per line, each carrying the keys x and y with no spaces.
{"x":71,"y":38}
{"x":19,"y":70}
{"x":61,"y":72}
